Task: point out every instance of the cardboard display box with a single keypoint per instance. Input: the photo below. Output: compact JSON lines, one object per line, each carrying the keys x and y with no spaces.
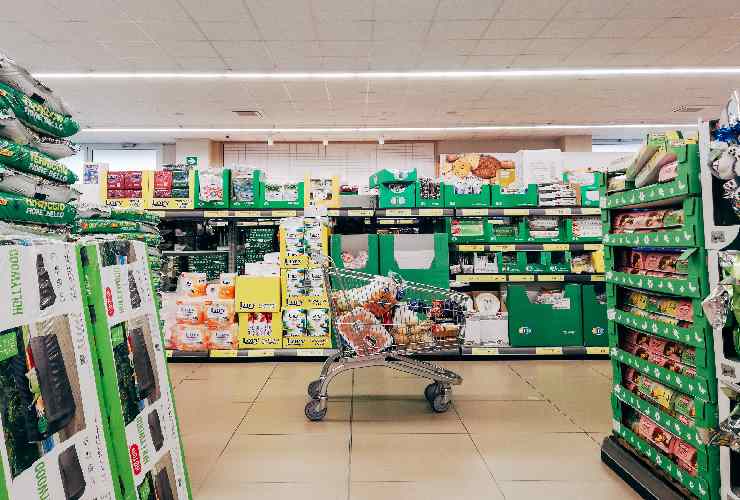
{"x":455,"y":200}
{"x":321,"y":192}
{"x":528,"y":198}
{"x":354,"y":244}
{"x":119,"y":190}
{"x":223,"y":203}
{"x":397,"y":195}
{"x":595,"y":324}
{"x":544,"y":325}
{"x":257,"y":294}
{"x":257,"y":187}
{"x":272,"y":198}
{"x":263,"y":330}
{"x":423,"y":258}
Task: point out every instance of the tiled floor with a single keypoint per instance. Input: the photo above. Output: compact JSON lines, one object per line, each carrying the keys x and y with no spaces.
{"x":517,"y":429}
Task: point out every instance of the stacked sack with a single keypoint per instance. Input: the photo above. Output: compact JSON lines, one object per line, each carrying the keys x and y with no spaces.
{"x":35,"y":189}
{"x":102,"y":222}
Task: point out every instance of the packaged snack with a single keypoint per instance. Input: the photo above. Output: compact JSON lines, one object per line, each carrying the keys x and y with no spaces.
{"x":115,"y":180}
{"x":260,"y":324}
{"x":317,"y":322}
{"x":211,"y":184}
{"x":662,"y":439}
{"x":132,"y":180}
{"x":662,"y":395}
{"x":685,"y":456}
{"x":315,"y":282}
{"x":222,"y":336}
{"x":295,"y":282}
{"x":668,"y":172}
{"x":641,"y":158}
{"x":220,"y":291}
{"x":162,"y":180}
{"x":163,"y":193}
{"x":363,"y":332}
{"x":684,"y":405}
{"x":219,"y":312}
{"x":294,"y":322}
{"x":649,"y":173}
{"x":192,"y":284}
{"x":189,"y":311}
{"x":192,"y":338}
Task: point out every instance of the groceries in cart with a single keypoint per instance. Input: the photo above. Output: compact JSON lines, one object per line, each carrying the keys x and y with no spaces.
{"x":379,"y":316}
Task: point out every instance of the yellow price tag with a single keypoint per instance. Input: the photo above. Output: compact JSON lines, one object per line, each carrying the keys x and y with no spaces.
{"x":474,"y":211}
{"x":386,"y":222}
{"x":168,"y":353}
{"x":501,"y":248}
{"x":247,"y":213}
{"x":516,"y":211}
{"x":398,"y":212}
{"x":521,"y":277}
{"x":597,"y":277}
{"x":548,"y":351}
{"x":310,"y":352}
{"x":556,"y":247}
{"x":284,"y":213}
{"x":551,"y":277}
{"x":223,"y":353}
{"x":158,"y":213}
{"x":597,"y":350}
{"x":360,"y":213}
{"x":481,"y":278}
{"x":470,"y":248}
{"x":484,"y":351}
{"x":431,"y":212}
{"x":332,"y":212}
{"x":261,"y":353}
{"x":216,"y":213}
{"x":591,"y":211}
{"x":593,"y":247}
{"x":557,"y":211}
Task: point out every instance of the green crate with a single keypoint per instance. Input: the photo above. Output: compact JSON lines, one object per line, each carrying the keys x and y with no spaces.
{"x":226,"y":185}
{"x":536,"y":262}
{"x":543,"y":325}
{"x":694,"y":284}
{"x":517,"y":262}
{"x":388,"y":198}
{"x":468,"y":230}
{"x":590,"y":194}
{"x":555,"y":264}
{"x":430,"y":202}
{"x":691,"y":234}
{"x":258,"y":186}
{"x":570,"y":237}
{"x":354,"y":243}
{"x":280,"y":204}
{"x":556,"y":239}
{"x":515,"y":200}
{"x":437,"y":273}
{"x":686,"y":183}
{"x":595,"y":324}
{"x":454,"y":200}
{"x":386,"y":176}
{"x":520,"y":229}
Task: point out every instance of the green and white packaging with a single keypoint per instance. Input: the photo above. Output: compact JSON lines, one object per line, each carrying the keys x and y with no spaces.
{"x":35,"y":115}
{"x":135,"y":380}
{"x":53,"y":444}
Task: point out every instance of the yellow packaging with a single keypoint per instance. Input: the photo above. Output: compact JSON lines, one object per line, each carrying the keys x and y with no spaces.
{"x":136,"y":203}
{"x":307,"y":342}
{"x":598,"y":260}
{"x":313,"y":196}
{"x":303,"y":288}
{"x":505,"y":176}
{"x":262,"y":330}
{"x":292,"y":258}
{"x":257,"y":294}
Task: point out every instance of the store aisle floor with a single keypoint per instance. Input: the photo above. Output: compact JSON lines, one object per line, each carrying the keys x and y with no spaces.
{"x":517,"y":429}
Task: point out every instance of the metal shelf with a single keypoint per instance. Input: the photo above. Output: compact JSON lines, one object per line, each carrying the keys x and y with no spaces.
{"x":526,"y":278}
{"x":527,"y":247}
{"x":250,"y":353}
{"x":493,"y":212}
{"x":535,"y":351}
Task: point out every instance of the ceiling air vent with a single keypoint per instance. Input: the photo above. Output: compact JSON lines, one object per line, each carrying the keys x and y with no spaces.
{"x":684,"y":108}
{"x":250,"y":113}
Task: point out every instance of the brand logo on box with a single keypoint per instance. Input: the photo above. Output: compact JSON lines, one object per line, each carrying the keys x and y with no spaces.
{"x":525,"y":330}
{"x":597,"y":330}
{"x":133,"y":452}
{"x":109,"y":301}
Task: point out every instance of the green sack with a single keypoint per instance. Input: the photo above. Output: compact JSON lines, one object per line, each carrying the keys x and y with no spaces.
{"x":34,"y":115}
{"x":150,"y":239}
{"x":29,"y":161}
{"x":134,"y":215}
{"x":14,"y":207}
{"x":107,"y":226}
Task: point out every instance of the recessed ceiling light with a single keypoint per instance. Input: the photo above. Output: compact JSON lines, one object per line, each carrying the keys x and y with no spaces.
{"x":248,"y":113}
{"x":409,"y":75}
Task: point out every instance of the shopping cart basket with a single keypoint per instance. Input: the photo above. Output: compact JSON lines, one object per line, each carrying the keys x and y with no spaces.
{"x":380,"y":321}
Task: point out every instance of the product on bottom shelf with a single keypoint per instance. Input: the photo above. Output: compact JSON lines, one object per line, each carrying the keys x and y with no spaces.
{"x":135,"y":383}
{"x":664,"y":262}
{"x":53,"y":437}
{"x":260,"y":330}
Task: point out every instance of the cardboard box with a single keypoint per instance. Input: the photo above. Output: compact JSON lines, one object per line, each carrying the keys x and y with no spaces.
{"x":273,"y":199}
{"x":386,"y":176}
{"x":303,"y":288}
{"x":422,"y":258}
{"x":544,"y":325}
{"x":257,"y":187}
{"x":291,"y":259}
{"x":514,"y":197}
{"x":115,"y":194}
{"x":257,"y":294}
{"x":307,"y":342}
{"x":455,"y":200}
{"x":261,"y":330}
{"x":321,"y":192}
{"x":214,"y":204}
{"x":595,"y":324}
{"x":430,"y":202}
{"x":397,"y":195}
{"x":353,"y":244}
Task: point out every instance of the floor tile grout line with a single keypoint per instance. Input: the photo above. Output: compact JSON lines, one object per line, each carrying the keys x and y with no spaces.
{"x":231,"y":437}
{"x":477,"y":449}
{"x":351,"y":418}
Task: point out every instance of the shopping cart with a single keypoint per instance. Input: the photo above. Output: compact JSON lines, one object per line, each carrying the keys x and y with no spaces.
{"x":380,"y":321}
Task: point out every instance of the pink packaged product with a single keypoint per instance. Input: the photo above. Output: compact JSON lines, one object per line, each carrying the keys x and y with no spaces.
{"x":131,"y":193}
{"x":116,"y":193}
{"x":684,"y":311}
{"x":163,"y":180}
{"x":645,"y":427}
{"x":685,"y":456}
{"x":667,"y":363}
{"x":116,"y":180}
{"x":132,"y":179}
{"x":657,"y":345}
{"x":668,"y":172}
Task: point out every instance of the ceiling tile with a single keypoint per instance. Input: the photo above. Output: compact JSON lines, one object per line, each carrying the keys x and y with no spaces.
{"x":620,"y":28}
{"x":633,"y":60}
{"x":137,"y":50}
{"x":171,"y":31}
{"x":725,"y":27}
{"x":655,"y":9}
{"x":463,"y":30}
{"x":284,"y":29}
{"x":408,"y":10}
{"x":344,"y":49}
{"x":441,"y":62}
{"x":658,"y":46}
{"x":488,"y":62}
{"x":341,"y":9}
{"x":26,"y":11}
{"x":222,"y":10}
{"x":400,"y":31}
{"x":410,"y":50}
{"x":514,"y":28}
{"x":13,"y":34}
{"x":148,"y":11}
{"x":236,"y":50}
{"x":226,"y":30}
{"x":249,"y":62}
{"x":344,"y":30}
{"x":555,"y":45}
{"x":531,"y":9}
{"x":201,"y":63}
{"x":345,"y":63}
{"x":284,"y":50}
{"x":467,"y":9}
{"x":591,"y":9}
{"x":84,"y":10}
{"x":572,"y":28}
{"x":450,"y":47}
{"x":501,"y":47}
{"x":189,"y":48}
{"x":693,"y":27}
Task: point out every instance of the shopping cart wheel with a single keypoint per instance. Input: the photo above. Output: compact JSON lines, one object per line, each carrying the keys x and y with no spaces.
{"x":314,"y":388}
{"x":314,"y":411}
{"x":431,"y":391}
{"x":441,"y":403}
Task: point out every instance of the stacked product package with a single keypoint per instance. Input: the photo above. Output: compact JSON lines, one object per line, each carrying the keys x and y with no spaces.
{"x":35,"y":188}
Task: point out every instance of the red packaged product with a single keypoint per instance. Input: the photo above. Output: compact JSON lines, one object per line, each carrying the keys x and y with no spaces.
{"x":131,"y":193}
{"x":663,"y":440}
{"x":664,"y":362}
{"x":685,"y":453}
{"x":132,"y":179}
{"x":115,"y":180}
{"x":116,"y":193}
{"x":684,"y":311}
{"x":645,"y":427}
{"x":163,"y":179}
{"x":635,"y":259}
{"x":162,"y":193}
{"x":650,"y":261}
{"x":689,"y":371}
{"x":657,"y":346}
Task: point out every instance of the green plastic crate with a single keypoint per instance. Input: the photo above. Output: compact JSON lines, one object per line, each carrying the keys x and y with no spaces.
{"x":435,"y":273}
{"x":514,"y":200}
{"x":595,"y":324}
{"x":226,"y":185}
{"x":454,"y":200}
{"x":354,"y":243}
{"x":569,"y":236}
{"x":543,"y":325}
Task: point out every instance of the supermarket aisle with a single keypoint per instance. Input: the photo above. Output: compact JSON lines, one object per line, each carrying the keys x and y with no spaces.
{"x":518,"y":428}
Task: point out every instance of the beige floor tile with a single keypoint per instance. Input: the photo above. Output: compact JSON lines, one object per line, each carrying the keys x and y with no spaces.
{"x":402,"y":416}
{"x":542,"y":457}
{"x":554,"y":370}
{"x":387,"y":387}
{"x":603,"y":367}
{"x":615,"y":489}
{"x":181,"y":371}
{"x":475,"y":368}
{"x":233,"y":371}
{"x":495,"y":387}
{"x":235,"y":490}
{"x":496,"y":417}
{"x":374,"y":373}
{"x":291,"y":388}
{"x":296,"y":457}
{"x":427,"y":490}
{"x":598,"y":437}
{"x":201,"y":452}
{"x":214,"y":390}
{"x":286,"y":416}
{"x":595,"y":418}
{"x":416,"y":457}
{"x":219,"y":417}
{"x":305,"y":371}
{"x":575,"y":390}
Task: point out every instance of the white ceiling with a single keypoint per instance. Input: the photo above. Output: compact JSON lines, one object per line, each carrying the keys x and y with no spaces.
{"x":374,"y":35}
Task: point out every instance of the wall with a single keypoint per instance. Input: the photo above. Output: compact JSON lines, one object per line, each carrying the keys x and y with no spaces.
{"x":497,"y":145}
{"x":193,"y":147}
